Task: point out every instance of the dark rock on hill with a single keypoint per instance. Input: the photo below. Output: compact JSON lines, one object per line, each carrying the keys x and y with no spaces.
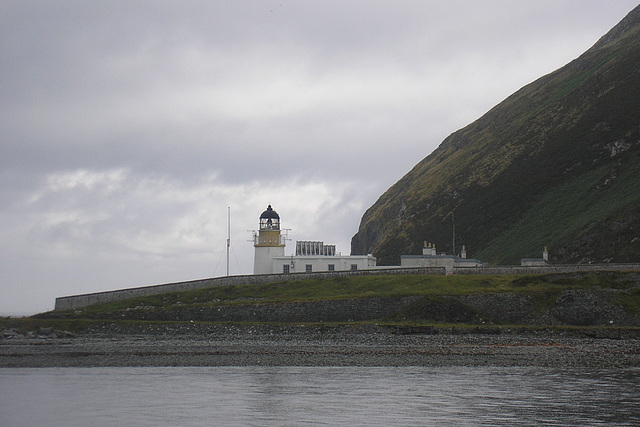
{"x":555,"y":164}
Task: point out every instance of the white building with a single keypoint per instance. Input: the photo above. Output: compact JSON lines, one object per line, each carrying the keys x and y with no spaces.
{"x":430,"y":258}
{"x":536,"y":262}
{"x":310,"y":256}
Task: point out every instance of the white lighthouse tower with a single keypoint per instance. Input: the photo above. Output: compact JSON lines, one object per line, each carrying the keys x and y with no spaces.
{"x":268,"y":241}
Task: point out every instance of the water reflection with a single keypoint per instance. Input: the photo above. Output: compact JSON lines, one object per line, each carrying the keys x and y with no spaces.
{"x":313,"y":395}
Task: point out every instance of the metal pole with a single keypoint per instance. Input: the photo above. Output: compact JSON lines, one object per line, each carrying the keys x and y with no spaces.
{"x":228,"y":235}
{"x":453,"y":245}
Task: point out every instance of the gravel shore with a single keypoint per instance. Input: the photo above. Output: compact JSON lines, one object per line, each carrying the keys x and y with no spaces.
{"x":300,"y":346}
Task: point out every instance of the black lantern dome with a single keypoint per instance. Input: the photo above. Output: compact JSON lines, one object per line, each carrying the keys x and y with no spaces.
{"x":269,"y":220}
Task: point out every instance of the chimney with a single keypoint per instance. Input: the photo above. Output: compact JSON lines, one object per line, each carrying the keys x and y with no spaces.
{"x":429,"y":249}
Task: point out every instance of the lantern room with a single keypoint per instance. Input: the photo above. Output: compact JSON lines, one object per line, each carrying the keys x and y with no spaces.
{"x":269,"y":220}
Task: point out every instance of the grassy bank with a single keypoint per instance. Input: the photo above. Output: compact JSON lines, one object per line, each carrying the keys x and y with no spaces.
{"x":428,"y":292}
{"x":540,"y":287}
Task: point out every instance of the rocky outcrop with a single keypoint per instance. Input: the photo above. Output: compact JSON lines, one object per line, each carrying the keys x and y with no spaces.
{"x":42,"y":332}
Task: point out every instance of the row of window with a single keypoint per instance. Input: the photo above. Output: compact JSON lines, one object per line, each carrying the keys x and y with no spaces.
{"x":308,"y":268}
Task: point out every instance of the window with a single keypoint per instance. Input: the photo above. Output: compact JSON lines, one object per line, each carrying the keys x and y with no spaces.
{"x":354,"y":267}
{"x":285,"y":268}
{"x":307,"y":268}
{"x":332,"y":267}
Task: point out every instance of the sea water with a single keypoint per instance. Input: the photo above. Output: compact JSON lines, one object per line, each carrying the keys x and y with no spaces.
{"x":282,"y":396}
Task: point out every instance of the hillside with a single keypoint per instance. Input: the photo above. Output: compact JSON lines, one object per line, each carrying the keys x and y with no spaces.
{"x":555,"y":164}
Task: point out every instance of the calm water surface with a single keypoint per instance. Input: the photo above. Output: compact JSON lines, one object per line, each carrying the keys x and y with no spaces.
{"x":317,"y":396}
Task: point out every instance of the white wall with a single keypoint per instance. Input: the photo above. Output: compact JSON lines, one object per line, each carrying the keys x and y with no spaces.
{"x":412,"y":261}
{"x":297,"y":264}
{"x":263,"y":261}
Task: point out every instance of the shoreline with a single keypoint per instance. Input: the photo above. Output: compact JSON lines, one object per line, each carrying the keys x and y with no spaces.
{"x":300,"y":346}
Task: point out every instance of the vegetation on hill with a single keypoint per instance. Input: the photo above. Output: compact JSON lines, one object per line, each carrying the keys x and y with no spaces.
{"x":576,"y":299}
{"x":555,"y":164}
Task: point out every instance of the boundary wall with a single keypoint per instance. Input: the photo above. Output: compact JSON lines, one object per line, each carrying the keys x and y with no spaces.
{"x":84,"y":300}
{"x":546,"y":269}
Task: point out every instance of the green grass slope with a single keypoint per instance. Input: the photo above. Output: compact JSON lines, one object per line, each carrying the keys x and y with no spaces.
{"x":568,"y":212}
{"x":533,"y":300}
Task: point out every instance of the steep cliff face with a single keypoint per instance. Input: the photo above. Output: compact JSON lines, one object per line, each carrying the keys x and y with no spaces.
{"x":555,"y":164}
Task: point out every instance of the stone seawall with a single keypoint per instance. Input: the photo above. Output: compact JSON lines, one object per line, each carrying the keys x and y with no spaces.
{"x":84,"y":300}
{"x":79,"y":301}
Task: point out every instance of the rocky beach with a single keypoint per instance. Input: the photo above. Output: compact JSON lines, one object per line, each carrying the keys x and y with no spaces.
{"x":232,"y":345}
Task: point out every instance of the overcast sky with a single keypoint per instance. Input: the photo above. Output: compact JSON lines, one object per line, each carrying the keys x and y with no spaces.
{"x":127,"y":128}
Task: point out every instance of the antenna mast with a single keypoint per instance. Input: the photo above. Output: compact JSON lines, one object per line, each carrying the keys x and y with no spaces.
{"x":228,"y":235}
{"x":453,"y":244}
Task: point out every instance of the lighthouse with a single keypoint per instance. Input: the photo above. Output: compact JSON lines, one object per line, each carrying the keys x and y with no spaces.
{"x":268,"y":242}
